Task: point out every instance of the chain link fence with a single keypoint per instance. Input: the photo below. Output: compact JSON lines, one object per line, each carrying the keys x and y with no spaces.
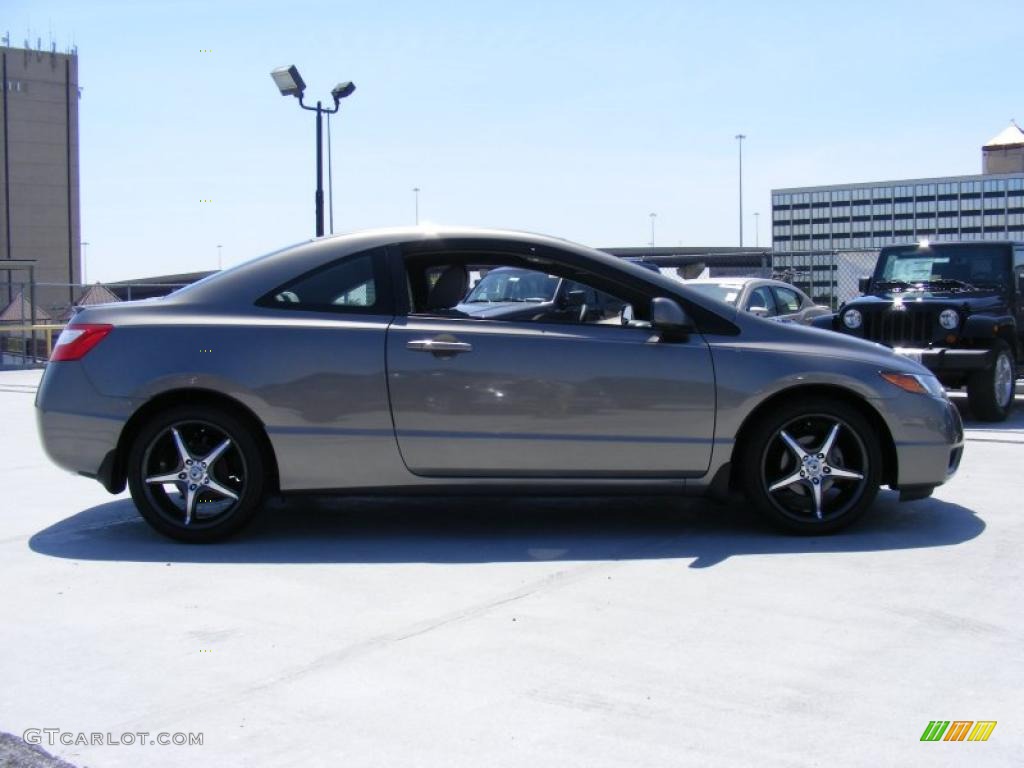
{"x":830,"y":278}
{"x":32,"y":314}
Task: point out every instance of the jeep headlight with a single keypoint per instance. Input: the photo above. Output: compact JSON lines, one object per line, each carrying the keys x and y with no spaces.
{"x":949,"y":319}
{"x":853,"y":319}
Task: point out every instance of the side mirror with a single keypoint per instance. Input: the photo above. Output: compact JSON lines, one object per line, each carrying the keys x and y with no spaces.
{"x":759,"y":311}
{"x":668,"y":316}
{"x":864,"y":284}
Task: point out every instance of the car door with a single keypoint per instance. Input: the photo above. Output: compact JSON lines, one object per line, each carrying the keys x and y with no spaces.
{"x":534,"y":399}
{"x":1018,"y":287}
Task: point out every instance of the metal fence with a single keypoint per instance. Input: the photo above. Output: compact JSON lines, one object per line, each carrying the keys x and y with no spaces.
{"x":830,"y":278}
{"x":28,"y":329}
{"x":32,"y":314}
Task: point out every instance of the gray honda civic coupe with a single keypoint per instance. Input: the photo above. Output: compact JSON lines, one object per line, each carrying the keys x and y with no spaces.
{"x":344,"y":365}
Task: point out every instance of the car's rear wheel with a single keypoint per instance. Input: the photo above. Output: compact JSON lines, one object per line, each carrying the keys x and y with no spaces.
{"x":812,"y":466}
{"x":196,"y":473}
{"x":990,"y":392}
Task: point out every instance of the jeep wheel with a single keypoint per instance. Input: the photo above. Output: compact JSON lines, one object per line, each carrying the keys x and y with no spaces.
{"x":990,"y":392}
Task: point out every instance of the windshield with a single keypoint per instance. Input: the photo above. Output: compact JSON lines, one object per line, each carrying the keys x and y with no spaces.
{"x":726,"y":293}
{"x":971,"y":265}
{"x":513,"y":285}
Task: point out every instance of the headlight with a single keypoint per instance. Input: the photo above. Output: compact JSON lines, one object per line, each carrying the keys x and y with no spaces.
{"x":949,"y":319}
{"x":852,"y":319}
{"x":917,"y":383}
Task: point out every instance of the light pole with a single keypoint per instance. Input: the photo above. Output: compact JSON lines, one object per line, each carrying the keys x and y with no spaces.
{"x":653,"y":217}
{"x":416,"y":196}
{"x":85,"y":245}
{"x":290,"y":83}
{"x":739,"y":142}
{"x":757,"y":229}
{"x":220,"y":264}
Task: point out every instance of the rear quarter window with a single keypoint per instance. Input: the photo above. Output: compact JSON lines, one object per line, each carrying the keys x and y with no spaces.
{"x":352,"y":284}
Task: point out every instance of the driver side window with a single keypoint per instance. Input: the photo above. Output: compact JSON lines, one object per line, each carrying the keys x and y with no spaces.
{"x":490,"y":287}
{"x":761,"y":301}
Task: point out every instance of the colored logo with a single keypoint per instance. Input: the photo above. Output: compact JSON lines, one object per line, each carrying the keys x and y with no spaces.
{"x":958,"y":730}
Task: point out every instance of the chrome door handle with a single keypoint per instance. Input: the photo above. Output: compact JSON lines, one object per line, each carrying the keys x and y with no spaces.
{"x":436,"y":345}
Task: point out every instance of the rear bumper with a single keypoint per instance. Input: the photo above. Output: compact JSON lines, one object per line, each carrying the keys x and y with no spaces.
{"x":949,"y":360}
{"x":78,"y":427}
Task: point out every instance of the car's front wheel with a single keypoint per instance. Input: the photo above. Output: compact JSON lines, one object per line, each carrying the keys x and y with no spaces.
{"x":196,"y":473}
{"x":990,"y":392}
{"x":812,"y":466}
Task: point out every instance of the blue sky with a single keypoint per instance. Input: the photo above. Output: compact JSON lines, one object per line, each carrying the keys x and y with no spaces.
{"x":572,"y":118}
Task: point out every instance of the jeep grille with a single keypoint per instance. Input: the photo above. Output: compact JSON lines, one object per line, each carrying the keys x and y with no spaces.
{"x":898,"y":328}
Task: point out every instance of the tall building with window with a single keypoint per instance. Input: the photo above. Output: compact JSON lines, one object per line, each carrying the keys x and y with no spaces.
{"x":39,"y":206}
{"x":825,"y":234}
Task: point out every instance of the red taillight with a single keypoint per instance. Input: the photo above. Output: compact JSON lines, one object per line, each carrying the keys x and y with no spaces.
{"x":77,"y":339}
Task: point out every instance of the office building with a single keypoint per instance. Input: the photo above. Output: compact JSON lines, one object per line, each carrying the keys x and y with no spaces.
{"x":39,"y":205}
{"x":827,"y":235}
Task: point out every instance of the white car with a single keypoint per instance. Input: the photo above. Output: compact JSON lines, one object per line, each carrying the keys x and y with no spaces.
{"x":772,"y":299}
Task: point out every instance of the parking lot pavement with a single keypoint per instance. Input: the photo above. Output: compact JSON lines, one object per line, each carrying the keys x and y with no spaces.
{"x":513,"y":632}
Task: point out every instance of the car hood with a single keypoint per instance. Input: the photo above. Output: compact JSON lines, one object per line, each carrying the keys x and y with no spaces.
{"x":819,"y":342}
{"x":975,"y":299}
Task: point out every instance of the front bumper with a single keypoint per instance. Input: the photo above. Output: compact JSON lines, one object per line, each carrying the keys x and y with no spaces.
{"x":949,"y":360}
{"x":929,"y":453}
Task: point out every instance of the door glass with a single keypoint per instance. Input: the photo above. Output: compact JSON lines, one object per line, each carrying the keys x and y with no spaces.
{"x":761,"y":300}
{"x":787,"y":300}
{"x":346,"y":285}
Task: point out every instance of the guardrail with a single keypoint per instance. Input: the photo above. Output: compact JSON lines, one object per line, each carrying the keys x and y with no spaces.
{"x":31,"y":344}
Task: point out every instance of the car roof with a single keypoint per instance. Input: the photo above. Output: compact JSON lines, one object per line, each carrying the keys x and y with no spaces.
{"x":730,"y":281}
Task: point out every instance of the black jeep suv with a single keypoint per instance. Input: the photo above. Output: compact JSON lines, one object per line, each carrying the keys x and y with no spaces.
{"x":956,"y":307}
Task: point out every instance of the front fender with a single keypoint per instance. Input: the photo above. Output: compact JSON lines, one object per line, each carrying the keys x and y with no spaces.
{"x":986,"y":326}
{"x":828,"y":322}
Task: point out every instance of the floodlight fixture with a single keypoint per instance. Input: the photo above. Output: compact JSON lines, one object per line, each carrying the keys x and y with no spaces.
{"x":342,"y":91}
{"x":288,"y":81}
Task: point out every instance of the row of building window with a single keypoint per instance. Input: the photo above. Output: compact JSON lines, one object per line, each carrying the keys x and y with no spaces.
{"x":867,"y":223}
{"x":854,"y":243}
{"x":902,"y":191}
{"x":999,"y":204}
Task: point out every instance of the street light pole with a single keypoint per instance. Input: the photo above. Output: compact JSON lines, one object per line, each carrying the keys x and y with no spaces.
{"x":739,"y":142}
{"x":320,"y":168}
{"x":757,"y":229}
{"x":653,"y":217}
{"x":330,"y":177}
{"x":416,"y":195}
{"x":220,"y":263}
{"x":290,"y":83}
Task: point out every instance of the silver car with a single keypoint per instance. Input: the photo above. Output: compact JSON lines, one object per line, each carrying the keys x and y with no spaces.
{"x":343,"y":365}
{"x":763,"y":297}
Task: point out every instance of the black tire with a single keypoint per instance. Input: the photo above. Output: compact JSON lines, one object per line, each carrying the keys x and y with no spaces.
{"x":766,"y":459}
{"x":238,"y":470}
{"x":987,"y":393}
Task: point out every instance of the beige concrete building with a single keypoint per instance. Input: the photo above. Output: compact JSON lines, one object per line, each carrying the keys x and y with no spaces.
{"x":1004,"y":153}
{"x":39,"y":204}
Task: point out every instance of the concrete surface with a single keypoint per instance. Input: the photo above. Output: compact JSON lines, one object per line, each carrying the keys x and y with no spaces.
{"x":508,"y":633}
